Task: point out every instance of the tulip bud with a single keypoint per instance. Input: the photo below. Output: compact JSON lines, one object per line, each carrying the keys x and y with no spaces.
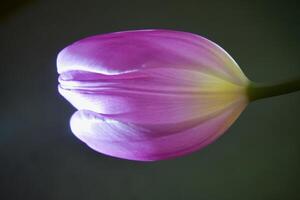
{"x":151,"y":94}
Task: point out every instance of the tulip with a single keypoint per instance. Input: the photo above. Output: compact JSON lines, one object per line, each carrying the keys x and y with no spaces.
{"x":151,"y":95}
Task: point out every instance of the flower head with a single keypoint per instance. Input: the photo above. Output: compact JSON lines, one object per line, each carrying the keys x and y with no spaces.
{"x":150,"y":94}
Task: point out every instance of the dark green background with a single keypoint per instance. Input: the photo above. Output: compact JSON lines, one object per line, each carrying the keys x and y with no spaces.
{"x":258,"y":158}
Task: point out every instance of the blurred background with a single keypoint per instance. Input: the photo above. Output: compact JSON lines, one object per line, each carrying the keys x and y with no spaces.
{"x":258,"y":158}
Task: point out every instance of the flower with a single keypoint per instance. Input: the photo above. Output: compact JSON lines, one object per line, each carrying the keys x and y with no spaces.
{"x":150,"y":94}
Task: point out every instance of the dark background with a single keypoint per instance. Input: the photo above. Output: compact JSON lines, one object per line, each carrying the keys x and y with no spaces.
{"x":258,"y":158}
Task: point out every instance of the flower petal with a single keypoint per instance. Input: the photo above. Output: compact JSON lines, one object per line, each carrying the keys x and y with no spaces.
{"x":139,"y":142}
{"x":152,"y":96}
{"x":123,"y":52}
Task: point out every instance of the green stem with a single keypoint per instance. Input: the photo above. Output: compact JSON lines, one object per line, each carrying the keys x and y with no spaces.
{"x":260,"y":91}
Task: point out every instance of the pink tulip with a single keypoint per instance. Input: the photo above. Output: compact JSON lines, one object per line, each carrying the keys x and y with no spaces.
{"x":151,"y":94}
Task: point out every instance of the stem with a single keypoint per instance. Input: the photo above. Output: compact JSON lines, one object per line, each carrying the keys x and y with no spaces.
{"x":260,"y":91}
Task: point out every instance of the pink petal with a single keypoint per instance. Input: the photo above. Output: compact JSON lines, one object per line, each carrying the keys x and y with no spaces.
{"x":139,"y":142}
{"x":151,"y":96}
{"x":124,"y":52}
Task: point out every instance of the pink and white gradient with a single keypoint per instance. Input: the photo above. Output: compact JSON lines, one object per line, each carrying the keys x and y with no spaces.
{"x":150,"y":94}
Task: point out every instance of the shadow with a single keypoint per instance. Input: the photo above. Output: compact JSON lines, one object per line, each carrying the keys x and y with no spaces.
{"x":10,"y":7}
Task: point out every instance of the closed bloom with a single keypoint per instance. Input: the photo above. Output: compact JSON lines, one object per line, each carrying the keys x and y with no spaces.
{"x":150,"y":94}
